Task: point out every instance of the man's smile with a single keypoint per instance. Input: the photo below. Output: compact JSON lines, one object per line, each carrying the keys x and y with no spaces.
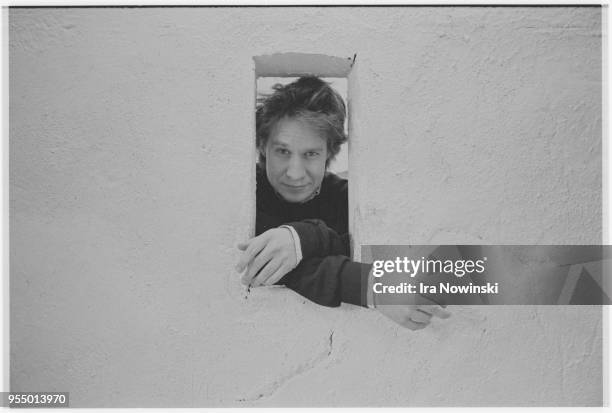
{"x":296,"y":187}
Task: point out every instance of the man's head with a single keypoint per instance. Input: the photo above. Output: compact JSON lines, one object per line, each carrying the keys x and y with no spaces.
{"x":300,"y":128}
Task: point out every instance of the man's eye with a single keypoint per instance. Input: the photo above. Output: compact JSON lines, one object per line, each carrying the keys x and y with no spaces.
{"x":282,"y":151}
{"x":312,"y":154}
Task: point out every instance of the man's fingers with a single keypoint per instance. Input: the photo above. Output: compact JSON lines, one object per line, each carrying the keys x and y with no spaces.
{"x":257,"y":264}
{"x":425,"y":300}
{"x":270,"y":268}
{"x":244,"y":257}
{"x":278,"y":274}
{"x":419,"y":316}
{"x":434,"y":310}
{"x":432,"y":299}
{"x":413,"y":325}
{"x":253,"y":246}
{"x":439,"y":312}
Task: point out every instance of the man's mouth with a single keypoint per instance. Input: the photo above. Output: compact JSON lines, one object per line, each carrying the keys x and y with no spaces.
{"x":296,"y":187}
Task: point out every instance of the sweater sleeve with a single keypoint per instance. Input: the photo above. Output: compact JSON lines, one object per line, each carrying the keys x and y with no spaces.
{"x":326,"y":275}
{"x":318,"y":240}
{"x":329,"y":280}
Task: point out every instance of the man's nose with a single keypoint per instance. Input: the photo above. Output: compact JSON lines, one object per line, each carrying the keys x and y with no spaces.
{"x":296,"y":170}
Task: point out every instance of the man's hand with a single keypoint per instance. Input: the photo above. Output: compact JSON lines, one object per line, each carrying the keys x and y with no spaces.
{"x":267,"y":257}
{"x":414,"y":316}
{"x":413,"y":311}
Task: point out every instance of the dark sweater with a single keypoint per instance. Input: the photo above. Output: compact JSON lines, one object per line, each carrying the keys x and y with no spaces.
{"x":326,"y":275}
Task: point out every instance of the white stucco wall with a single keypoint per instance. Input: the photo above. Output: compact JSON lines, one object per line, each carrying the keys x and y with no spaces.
{"x":131,"y":155}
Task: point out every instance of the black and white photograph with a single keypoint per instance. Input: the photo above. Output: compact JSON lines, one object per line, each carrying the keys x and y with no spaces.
{"x":327,"y":206}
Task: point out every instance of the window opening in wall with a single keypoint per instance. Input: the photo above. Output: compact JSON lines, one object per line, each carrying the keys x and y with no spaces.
{"x":302,"y":214}
{"x":302,"y":161}
{"x":301,"y":166}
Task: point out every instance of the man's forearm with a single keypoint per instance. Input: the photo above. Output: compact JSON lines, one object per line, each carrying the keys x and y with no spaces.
{"x":330,"y":281}
{"x":319,"y":240}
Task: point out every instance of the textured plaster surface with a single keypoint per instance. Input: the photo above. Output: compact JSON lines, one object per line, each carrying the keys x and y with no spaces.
{"x":301,"y":64}
{"x":131,"y":158}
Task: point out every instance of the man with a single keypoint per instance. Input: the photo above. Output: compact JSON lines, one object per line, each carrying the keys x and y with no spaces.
{"x":302,"y":238}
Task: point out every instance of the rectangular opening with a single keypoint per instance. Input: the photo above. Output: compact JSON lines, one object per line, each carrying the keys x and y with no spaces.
{"x":286,"y":68}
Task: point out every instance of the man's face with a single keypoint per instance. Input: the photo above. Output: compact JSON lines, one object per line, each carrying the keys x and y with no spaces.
{"x":295,"y":159}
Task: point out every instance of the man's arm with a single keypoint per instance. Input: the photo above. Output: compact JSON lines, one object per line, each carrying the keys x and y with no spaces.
{"x":318,"y":252}
{"x":319,"y":240}
{"x":329,"y":280}
{"x":326,"y":275}
{"x":270,"y":258}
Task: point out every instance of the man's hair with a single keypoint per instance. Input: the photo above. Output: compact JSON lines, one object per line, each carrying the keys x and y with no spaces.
{"x":308,"y":99}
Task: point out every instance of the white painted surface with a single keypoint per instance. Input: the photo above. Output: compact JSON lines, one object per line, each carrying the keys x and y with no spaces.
{"x":131,"y":182}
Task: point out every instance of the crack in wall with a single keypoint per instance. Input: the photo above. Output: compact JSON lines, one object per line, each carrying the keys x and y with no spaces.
{"x":273,"y":387}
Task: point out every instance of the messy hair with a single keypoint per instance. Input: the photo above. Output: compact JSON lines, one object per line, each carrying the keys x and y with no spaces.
{"x":308,"y":99}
